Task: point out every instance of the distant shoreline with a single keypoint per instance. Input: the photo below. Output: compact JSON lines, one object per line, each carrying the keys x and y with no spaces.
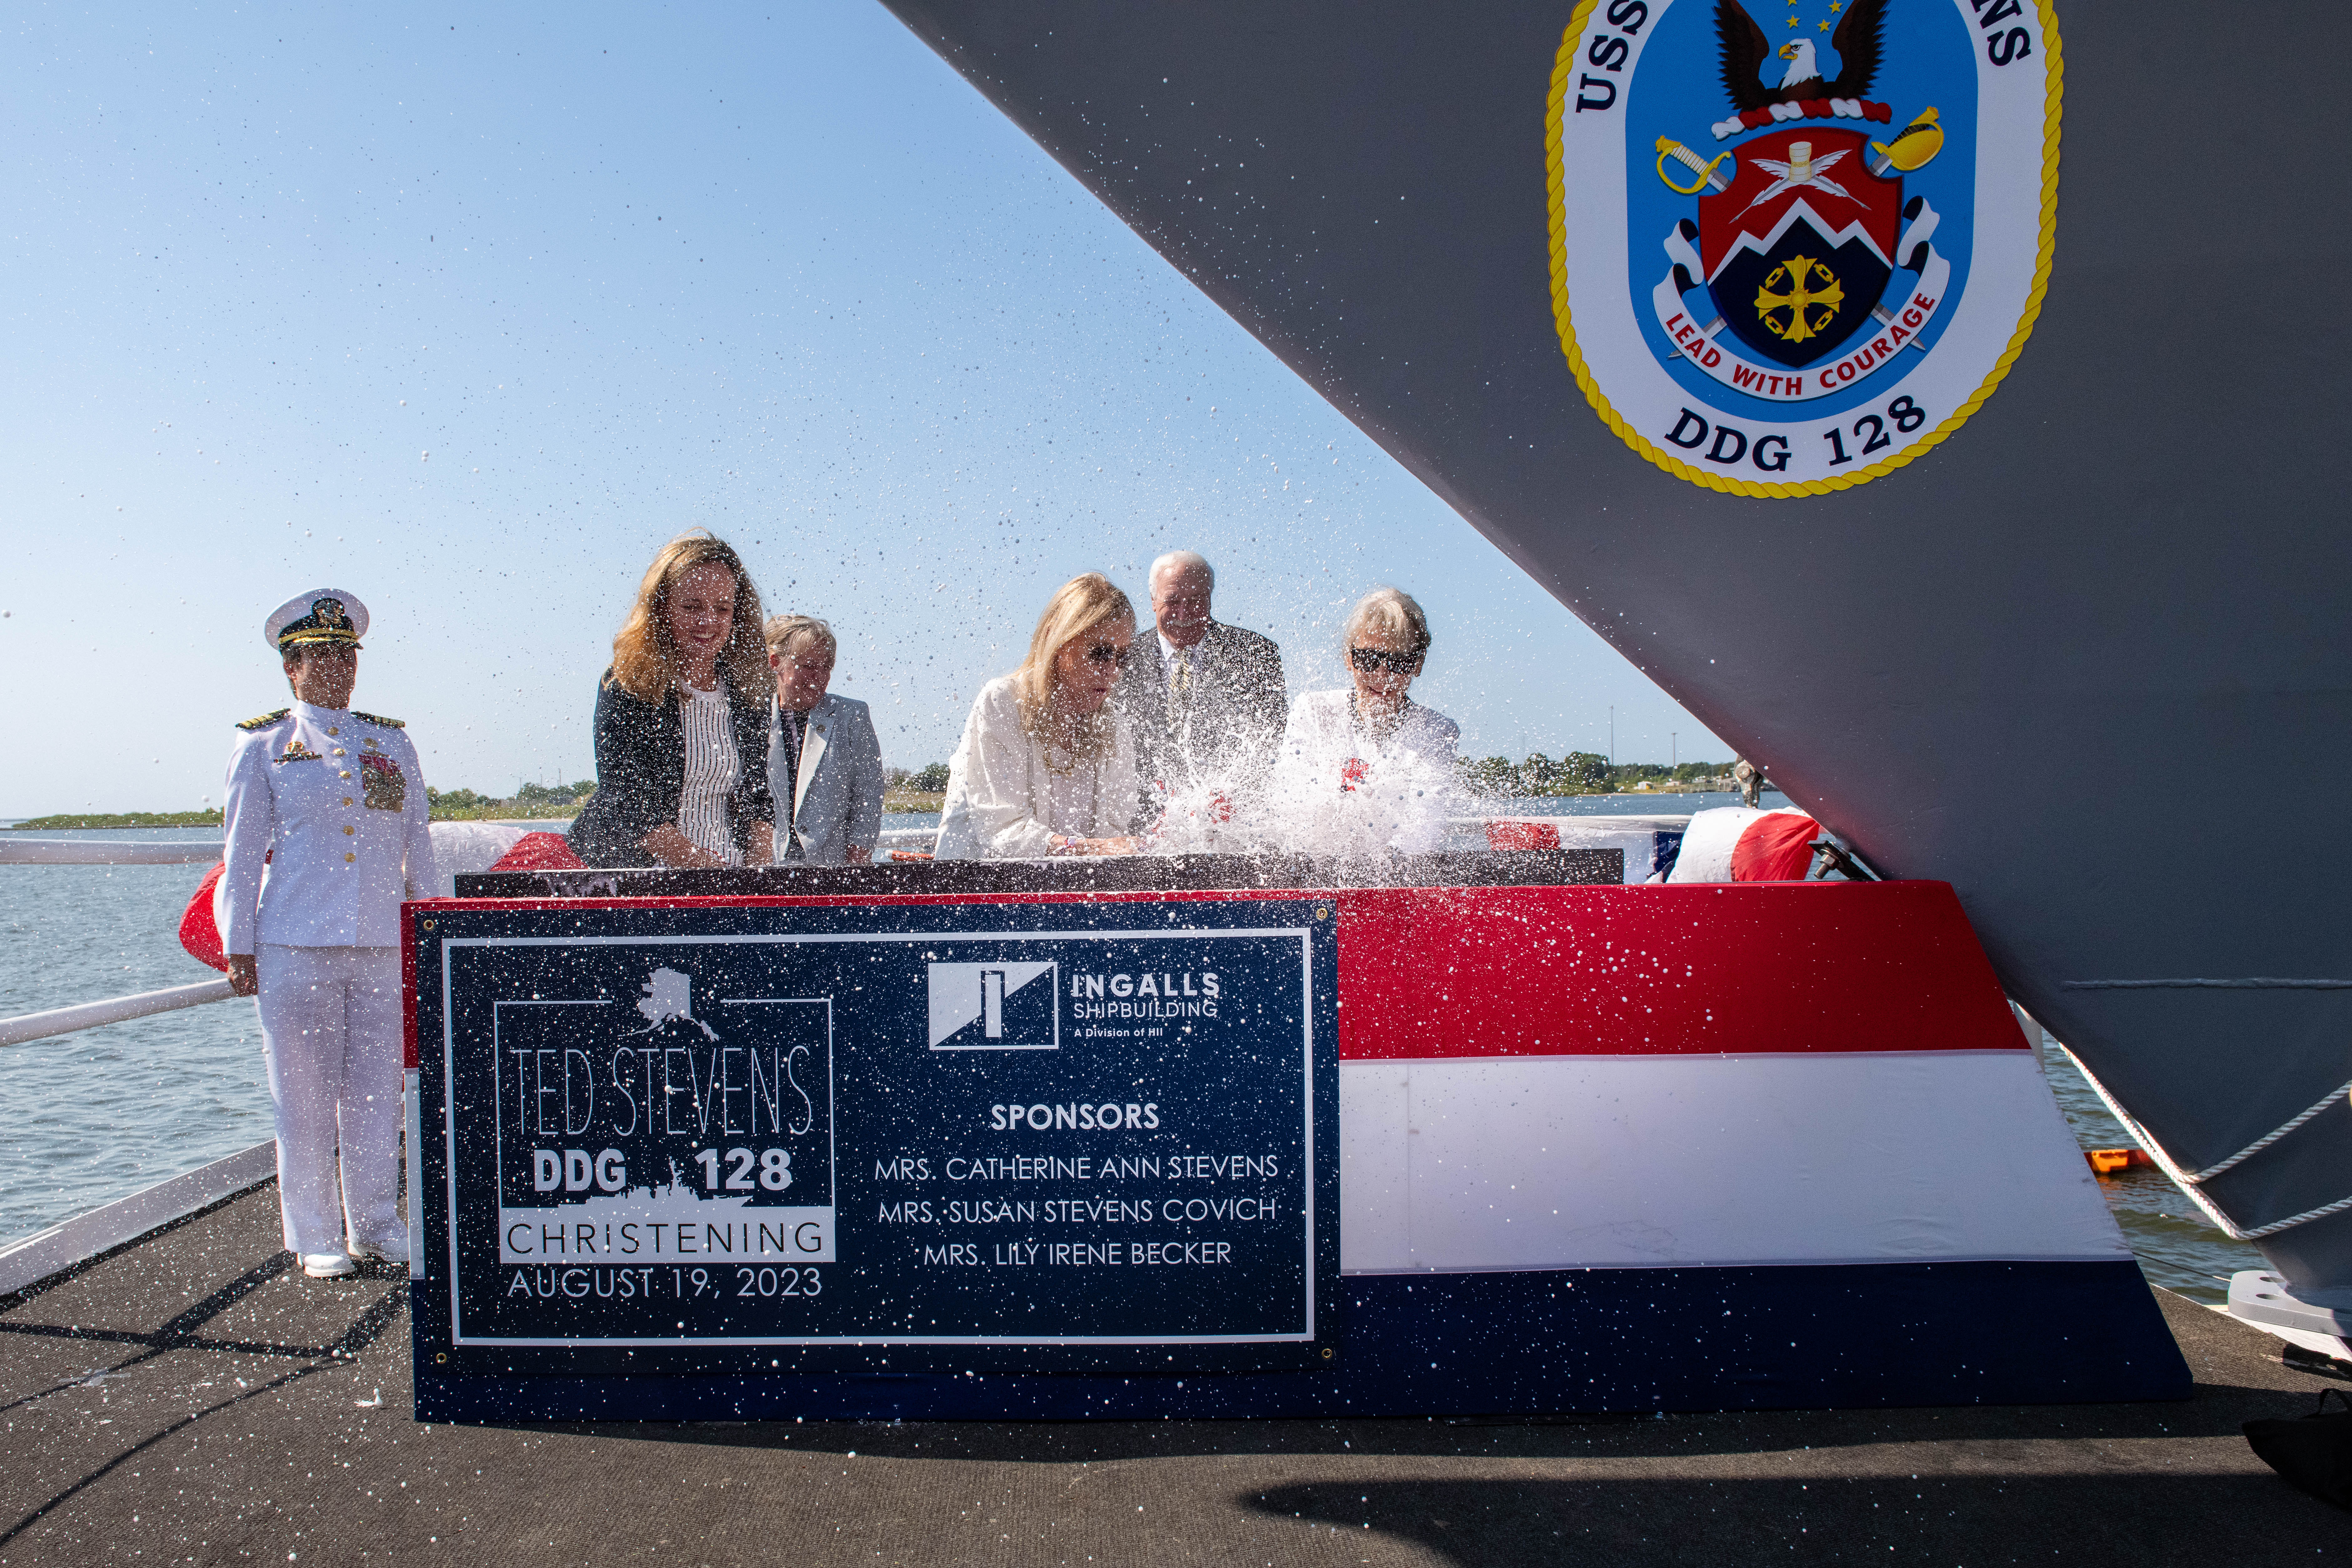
{"x":504,"y":811}
{"x":117,"y":819}
{"x":1705,"y":786}
{"x":894,"y":801}
{"x":497,"y":811}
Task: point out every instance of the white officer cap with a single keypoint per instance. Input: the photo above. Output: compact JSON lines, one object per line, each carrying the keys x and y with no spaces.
{"x":320,"y":616}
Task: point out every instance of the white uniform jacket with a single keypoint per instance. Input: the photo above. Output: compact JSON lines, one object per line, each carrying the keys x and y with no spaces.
{"x":334,"y":801}
{"x":1005,"y":804}
{"x":836,"y":798}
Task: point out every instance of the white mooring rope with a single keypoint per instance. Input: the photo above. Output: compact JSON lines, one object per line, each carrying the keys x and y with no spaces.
{"x":2267,"y":1139}
{"x":2189,"y":1183}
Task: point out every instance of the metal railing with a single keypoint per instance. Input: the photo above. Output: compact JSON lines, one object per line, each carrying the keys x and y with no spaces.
{"x":56,"y":1021}
{"x":27,"y":1027}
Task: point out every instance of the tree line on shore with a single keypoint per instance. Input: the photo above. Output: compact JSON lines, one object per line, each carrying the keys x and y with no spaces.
{"x":1585,"y":773}
{"x":529,"y":801}
{"x":1578,"y":773}
{"x":544,"y":802}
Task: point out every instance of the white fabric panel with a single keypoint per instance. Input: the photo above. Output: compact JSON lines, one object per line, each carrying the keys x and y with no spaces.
{"x":471,"y":846}
{"x":1710,"y":838}
{"x":1375,"y":1197}
{"x":1499,"y":1162}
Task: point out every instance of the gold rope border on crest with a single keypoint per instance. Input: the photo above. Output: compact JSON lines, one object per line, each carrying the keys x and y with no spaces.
{"x":1564,"y":69}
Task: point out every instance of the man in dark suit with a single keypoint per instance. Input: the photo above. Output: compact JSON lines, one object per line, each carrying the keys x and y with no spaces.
{"x":1206,"y":699}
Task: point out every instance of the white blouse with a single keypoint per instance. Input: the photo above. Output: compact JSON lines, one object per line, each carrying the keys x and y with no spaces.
{"x":1340,"y":788}
{"x":1005,"y":804}
{"x":705,"y":807}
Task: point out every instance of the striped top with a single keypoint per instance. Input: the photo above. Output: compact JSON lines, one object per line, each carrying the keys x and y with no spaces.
{"x":703,"y":809}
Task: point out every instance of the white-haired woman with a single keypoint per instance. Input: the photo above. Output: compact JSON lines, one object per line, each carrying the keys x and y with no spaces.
{"x":1366,"y":767}
{"x":1044,"y":767}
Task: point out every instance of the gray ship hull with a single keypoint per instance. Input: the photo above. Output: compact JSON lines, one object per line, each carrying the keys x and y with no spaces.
{"x":2029,"y":662}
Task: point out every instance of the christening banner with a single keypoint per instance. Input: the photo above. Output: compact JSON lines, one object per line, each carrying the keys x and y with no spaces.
{"x":714,"y":1135}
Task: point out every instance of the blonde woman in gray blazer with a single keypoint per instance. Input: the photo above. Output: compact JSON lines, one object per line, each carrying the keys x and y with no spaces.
{"x":825,"y":764}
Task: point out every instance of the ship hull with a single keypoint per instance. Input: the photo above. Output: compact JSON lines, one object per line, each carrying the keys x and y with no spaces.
{"x":2021,"y":662}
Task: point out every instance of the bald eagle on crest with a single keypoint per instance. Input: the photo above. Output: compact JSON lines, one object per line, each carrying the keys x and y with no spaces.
{"x":1746,"y":51}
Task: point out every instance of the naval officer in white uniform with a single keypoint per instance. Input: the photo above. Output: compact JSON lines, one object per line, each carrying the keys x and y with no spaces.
{"x":333,"y":801}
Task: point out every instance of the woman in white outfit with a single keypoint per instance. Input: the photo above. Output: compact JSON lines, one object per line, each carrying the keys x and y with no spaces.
{"x":333,"y":800}
{"x":1044,"y":767}
{"x":1367,"y":768}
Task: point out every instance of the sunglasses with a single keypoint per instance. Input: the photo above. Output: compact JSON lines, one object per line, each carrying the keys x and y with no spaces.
{"x":1104,"y":653}
{"x":1371,"y":658}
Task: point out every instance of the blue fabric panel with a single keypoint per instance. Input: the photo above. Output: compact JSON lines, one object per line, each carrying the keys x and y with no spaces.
{"x":1666,"y":849}
{"x":1528,"y":1343}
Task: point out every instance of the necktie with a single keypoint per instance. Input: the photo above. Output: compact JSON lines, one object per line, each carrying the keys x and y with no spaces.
{"x":793,"y":720}
{"x":1179,"y":687}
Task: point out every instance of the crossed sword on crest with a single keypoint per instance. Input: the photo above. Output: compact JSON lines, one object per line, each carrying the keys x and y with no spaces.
{"x":1801,"y":169}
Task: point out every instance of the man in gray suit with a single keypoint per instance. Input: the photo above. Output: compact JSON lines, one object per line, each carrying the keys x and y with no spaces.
{"x":1206,"y":699}
{"x":824,"y":765}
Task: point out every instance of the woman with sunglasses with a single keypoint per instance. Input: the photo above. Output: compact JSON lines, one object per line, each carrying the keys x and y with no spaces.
{"x":1368,"y":767}
{"x":1044,"y":767}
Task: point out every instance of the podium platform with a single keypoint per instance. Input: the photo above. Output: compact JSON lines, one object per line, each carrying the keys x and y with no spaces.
{"x":1474,"y":1134}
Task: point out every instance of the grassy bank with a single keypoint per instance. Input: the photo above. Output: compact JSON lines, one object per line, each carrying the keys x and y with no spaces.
{"x":122,"y":819}
{"x":504,"y":811}
{"x":531,"y":803}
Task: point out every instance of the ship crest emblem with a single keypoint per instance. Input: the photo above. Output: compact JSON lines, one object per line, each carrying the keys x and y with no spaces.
{"x":1760,"y":245}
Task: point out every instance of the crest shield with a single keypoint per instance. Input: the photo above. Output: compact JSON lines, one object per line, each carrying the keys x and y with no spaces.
{"x":1796,"y":246}
{"x":1799,"y":249}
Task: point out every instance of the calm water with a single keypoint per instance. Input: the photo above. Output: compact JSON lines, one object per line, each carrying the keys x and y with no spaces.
{"x":2178,"y":1247}
{"x":99,"y":1114}
{"x":96,"y":1115}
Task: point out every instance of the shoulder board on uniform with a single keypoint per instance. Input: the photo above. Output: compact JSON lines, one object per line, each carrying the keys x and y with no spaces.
{"x":379,"y":719}
{"x":263,"y":721}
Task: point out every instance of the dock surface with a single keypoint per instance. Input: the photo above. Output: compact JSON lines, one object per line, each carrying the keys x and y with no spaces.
{"x":192,"y":1399}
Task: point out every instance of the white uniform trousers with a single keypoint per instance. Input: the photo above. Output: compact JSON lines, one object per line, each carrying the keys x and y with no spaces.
{"x":331,"y":1023}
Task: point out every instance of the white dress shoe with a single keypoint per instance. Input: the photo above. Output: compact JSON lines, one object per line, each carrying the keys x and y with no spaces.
{"x":328,"y":1265}
{"x":392,"y":1249}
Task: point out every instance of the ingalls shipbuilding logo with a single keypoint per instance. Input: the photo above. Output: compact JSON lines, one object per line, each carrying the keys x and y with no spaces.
{"x":996,"y":1006}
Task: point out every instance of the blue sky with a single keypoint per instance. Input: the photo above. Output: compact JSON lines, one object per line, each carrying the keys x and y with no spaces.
{"x":469,"y":315}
